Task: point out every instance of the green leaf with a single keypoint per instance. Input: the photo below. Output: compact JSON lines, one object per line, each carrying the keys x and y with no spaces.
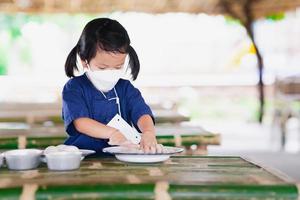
{"x":276,"y":17}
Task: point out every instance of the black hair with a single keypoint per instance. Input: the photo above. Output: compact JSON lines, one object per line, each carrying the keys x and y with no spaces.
{"x":106,"y":34}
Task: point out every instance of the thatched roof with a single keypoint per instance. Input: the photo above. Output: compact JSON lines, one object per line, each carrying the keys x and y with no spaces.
{"x":259,"y":8}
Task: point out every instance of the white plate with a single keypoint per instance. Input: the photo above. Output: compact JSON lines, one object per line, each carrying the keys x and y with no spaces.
{"x":133,"y":151}
{"x":85,"y":152}
{"x":133,"y":155}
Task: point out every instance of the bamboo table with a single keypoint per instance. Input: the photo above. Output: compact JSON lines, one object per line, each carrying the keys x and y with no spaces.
{"x":181,"y":177}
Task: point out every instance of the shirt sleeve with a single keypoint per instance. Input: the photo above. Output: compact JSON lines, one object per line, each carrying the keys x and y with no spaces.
{"x":74,"y":105}
{"x":137,"y":105}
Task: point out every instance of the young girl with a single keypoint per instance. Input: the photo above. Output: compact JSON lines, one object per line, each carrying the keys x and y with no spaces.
{"x":91,"y":100}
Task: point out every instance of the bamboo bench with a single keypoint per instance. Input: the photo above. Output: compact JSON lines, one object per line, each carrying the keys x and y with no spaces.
{"x":195,"y":139}
{"x":32,"y":113}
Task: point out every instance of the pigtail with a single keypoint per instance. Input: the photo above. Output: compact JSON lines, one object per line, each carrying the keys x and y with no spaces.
{"x":134,"y":62}
{"x":71,"y":62}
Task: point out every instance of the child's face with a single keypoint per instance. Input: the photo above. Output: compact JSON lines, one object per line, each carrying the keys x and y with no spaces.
{"x":106,"y":60}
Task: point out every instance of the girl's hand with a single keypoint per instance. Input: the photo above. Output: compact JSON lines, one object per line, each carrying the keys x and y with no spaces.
{"x":149,"y":144}
{"x":117,"y":138}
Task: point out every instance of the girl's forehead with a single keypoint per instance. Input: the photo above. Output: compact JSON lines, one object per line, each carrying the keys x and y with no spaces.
{"x":105,"y":57}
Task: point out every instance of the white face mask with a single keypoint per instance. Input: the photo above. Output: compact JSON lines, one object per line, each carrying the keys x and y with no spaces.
{"x":105,"y":80}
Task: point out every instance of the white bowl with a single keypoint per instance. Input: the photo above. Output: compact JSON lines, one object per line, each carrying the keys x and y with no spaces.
{"x":63,"y":161}
{"x":146,"y":158}
{"x":23,"y":159}
{"x":134,"y":155}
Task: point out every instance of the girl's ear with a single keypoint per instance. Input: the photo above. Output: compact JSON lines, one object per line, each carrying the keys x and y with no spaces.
{"x":84,"y":64}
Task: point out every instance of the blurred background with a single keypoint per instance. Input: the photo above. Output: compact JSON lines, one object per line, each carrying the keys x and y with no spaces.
{"x":225,"y":70}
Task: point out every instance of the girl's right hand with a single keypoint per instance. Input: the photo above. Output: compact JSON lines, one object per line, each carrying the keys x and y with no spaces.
{"x":116,"y":138}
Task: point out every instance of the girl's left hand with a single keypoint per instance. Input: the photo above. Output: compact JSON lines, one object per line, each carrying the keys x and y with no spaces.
{"x":149,"y":143}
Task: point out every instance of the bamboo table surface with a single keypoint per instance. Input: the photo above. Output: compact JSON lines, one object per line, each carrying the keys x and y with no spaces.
{"x":181,"y":177}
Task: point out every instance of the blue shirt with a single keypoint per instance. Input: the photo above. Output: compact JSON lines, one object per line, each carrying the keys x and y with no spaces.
{"x":82,"y":99}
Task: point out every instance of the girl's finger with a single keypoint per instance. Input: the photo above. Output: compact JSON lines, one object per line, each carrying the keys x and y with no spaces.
{"x":153,"y":149}
{"x":111,"y":142}
{"x":146,"y":149}
{"x":122,"y":140}
{"x":159,"y":148}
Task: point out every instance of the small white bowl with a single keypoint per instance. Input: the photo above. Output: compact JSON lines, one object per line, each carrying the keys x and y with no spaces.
{"x":63,"y":161}
{"x":23,"y":159}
